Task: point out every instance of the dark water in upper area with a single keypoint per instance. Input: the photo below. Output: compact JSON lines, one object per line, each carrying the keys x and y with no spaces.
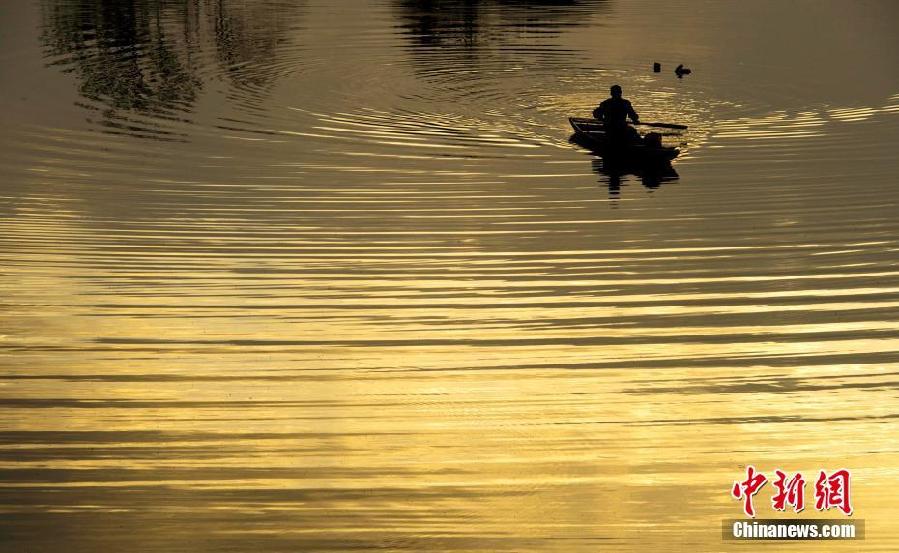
{"x":323,"y":276}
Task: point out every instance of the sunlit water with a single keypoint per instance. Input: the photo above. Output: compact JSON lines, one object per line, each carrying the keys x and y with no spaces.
{"x":325,"y":276}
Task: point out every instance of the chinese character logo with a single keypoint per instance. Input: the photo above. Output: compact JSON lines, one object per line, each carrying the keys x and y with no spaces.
{"x":789,"y":492}
{"x":831,"y":491}
{"x":747,"y":488}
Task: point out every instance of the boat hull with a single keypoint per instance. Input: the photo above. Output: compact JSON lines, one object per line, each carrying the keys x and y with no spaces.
{"x":590,"y":133}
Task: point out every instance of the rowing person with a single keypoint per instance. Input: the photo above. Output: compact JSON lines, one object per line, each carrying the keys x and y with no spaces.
{"x":613,"y":113}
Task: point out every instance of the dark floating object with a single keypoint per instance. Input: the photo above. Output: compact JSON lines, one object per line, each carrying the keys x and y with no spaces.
{"x":590,"y":133}
{"x":680,"y":71}
{"x":656,"y":67}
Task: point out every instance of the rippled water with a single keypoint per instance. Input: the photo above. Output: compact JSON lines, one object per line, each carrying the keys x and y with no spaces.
{"x":322,"y":276}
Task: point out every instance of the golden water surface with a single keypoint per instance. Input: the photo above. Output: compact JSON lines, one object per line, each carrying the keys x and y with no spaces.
{"x":329,"y":276}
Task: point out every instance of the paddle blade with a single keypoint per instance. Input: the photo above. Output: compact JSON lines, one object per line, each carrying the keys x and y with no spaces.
{"x":663,"y":125}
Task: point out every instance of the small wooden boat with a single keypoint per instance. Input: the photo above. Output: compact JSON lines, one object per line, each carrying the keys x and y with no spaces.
{"x":590,"y":133}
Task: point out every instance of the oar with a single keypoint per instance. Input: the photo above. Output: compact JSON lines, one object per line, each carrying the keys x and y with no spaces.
{"x":663,"y":125}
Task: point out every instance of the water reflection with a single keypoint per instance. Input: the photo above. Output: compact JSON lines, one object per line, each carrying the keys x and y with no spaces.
{"x":614,"y":173}
{"x":474,"y":22}
{"x":141,"y":63}
{"x":493,"y":35}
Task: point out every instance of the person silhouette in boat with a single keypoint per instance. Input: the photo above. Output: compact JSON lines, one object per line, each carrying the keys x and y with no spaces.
{"x":613,"y":113}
